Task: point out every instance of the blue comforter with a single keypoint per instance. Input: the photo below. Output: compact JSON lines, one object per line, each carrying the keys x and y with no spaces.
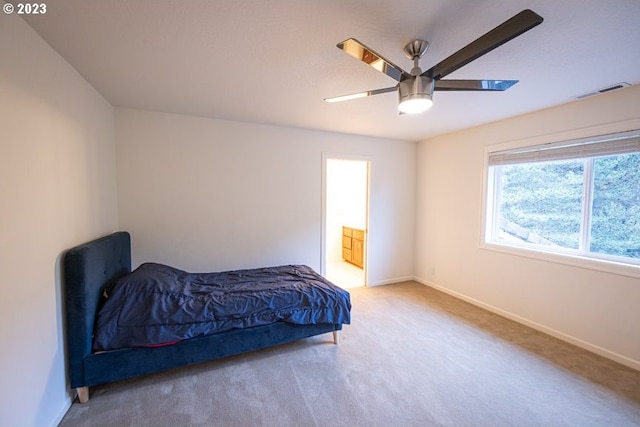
{"x":157,"y":304}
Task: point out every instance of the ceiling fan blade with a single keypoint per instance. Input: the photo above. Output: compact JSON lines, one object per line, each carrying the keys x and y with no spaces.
{"x":508,"y":30}
{"x":359,"y":51}
{"x":361,"y":94}
{"x":474,"y":85}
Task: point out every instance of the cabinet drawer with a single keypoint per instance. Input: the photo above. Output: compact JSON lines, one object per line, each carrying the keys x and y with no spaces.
{"x":346,"y":231}
{"x":346,"y":242}
{"x":346,"y":254}
{"x":358,"y":234}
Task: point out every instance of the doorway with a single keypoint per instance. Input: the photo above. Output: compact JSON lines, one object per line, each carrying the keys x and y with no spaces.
{"x":346,"y":202}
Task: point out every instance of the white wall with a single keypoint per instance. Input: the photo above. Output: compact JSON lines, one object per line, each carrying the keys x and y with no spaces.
{"x":57,"y":189}
{"x":205,"y":195}
{"x":594,"y":309}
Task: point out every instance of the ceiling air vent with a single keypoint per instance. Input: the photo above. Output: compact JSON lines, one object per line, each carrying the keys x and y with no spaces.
{"x":603,"y":90}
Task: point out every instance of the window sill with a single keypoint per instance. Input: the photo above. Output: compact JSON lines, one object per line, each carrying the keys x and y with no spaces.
{"x":605,"y":266}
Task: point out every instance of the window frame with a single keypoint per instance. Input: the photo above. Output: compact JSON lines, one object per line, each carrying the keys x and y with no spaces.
{"x":599,"y":262}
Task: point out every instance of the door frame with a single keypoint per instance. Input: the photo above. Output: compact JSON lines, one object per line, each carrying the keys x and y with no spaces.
{"x":326,"y":156}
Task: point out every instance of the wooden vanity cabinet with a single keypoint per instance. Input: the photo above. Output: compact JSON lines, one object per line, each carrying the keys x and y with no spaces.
{"x":353,"y":246}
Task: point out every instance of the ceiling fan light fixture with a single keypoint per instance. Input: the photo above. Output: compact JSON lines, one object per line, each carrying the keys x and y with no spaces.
{"x":415,"y":105}
{"x":416,"y":95}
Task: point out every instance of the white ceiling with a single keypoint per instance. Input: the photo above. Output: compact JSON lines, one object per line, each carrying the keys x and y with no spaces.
{"x":274,"y":61}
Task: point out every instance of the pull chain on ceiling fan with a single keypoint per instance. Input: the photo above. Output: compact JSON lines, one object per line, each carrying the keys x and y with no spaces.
{"x":415,"y":89}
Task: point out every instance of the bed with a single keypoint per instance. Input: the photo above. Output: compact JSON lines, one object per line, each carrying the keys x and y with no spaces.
{"x":94,"y":267}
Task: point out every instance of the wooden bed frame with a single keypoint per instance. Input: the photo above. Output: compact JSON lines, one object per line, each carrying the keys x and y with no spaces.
{"x":88,"y":268}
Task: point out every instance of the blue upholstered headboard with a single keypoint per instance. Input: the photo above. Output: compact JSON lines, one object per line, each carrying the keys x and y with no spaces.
{"x":87,"y":269}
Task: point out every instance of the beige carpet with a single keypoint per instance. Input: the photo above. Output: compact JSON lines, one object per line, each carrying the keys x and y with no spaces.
{"x":412,"y":357}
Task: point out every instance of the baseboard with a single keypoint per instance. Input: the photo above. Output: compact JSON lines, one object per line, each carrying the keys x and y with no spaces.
{"x":624,"y":360}
{"x":391,"y":281}
{"x":61,"y":412}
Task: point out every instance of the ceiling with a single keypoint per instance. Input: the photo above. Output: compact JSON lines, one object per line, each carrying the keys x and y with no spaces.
{"x":274,"y":61}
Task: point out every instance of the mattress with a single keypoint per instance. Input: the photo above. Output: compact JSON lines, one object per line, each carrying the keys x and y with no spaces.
{"x":158,"y":304}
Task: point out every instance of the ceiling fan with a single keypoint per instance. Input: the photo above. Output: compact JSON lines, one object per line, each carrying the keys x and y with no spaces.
{"x":415,"y":89}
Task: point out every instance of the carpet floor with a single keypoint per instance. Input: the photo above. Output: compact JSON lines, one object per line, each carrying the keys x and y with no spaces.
{"x":413,"y":356}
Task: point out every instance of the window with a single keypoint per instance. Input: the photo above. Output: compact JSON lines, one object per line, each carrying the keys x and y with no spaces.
{"x":580,"y":198}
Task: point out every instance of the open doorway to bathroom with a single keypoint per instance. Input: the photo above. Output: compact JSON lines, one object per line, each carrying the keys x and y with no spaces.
{"x":346,"y":200}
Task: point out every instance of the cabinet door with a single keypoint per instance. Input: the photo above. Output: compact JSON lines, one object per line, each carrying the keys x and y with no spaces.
{"x":357,"y":252}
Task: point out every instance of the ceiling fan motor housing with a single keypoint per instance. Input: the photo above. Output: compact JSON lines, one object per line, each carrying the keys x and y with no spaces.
{"x":416,"y":88}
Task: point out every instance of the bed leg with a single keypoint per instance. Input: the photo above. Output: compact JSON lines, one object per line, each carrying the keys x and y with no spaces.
{"x":83,"y":394}
{"x":336,"y":337}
